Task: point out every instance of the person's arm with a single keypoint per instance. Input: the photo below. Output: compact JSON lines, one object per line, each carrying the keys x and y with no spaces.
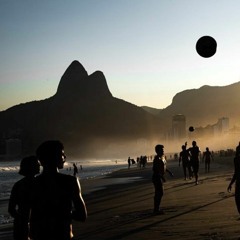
{"x":179,"y":160}
{"x":13,"y":203}
{"x":170,"y":173}
{"x":231,"y":183}
{"x":80,"y":211}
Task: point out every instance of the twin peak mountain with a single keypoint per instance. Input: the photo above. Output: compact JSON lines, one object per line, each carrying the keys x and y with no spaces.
{"x":83,"y":114}
{"x":75,"y":83}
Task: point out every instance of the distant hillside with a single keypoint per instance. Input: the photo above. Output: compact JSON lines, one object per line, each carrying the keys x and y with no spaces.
{"x":151,"y":110}
{"x":205,"y":105}
{"x":92,"y":123}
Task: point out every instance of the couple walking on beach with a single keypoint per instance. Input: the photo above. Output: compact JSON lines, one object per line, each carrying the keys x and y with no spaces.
{"x":45,"y":202}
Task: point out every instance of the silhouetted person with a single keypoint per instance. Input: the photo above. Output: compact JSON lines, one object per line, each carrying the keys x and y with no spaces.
{"x":184,"y":157}
{"x":56,"y":198}
{"x":129,"y":162}
{"x":236,"y":179}
{"x":159,"y":169}
{"x":207,"y":155}
{"x":144,"y":161}
{"x":194,"y":159}
{"x":75,"y":170}
{"x":19,"y":203}
{"x":238,"y":149}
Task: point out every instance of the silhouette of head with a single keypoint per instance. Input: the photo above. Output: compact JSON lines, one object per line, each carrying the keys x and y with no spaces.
{"x":51,"y":154}
{"x":159,"y":149}
{"x":207,"y":149}
{"x":183,"y":147}
{"x":194,"y":143}
{"x":29,"y":166}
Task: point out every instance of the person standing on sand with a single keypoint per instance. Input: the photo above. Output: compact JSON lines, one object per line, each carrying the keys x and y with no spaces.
{"x":238,"y":149}
{"x":56,"y":198}
{"x":129,"y":162}
{"x":19,"y":202}
{"x":236,"y":179}
{"x":75,"y":170}
{"x":194,"y":159}
{"x":208,"y":157}
{"x":159,"y":169}
{"x":184,"y":157}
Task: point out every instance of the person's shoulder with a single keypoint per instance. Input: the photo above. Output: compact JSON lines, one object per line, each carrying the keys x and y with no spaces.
{"x":236,"y":159}
{"x":66,"y":177}
{"x":18,"y":184}
{"x":59,"y":177}
{"x":63,"y":175}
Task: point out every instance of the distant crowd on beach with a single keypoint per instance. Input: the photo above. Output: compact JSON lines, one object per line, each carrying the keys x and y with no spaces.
{"x":43,"y":204}
{"x":141,"y":161}
{"x":75,"y":169}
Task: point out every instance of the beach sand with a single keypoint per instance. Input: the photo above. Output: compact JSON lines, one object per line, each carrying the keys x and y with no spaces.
{"x":120,"y":206}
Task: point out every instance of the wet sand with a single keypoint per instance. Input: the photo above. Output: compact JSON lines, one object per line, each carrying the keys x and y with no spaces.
{"x":120,"y":206}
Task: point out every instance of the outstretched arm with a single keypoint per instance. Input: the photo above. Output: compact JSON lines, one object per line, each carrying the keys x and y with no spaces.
{"x":80,"y":212}
{"x":170,"y":173}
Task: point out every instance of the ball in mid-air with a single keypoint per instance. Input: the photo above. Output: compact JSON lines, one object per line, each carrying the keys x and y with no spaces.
{"x":191,"y":129}
{"x":206,"y":46}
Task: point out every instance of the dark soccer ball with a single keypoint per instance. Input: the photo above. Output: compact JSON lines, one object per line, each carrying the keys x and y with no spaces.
{"x":206,"y":46}
{"x":191,"y":129}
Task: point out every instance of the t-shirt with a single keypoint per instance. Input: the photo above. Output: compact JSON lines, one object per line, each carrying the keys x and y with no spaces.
{"x":159,"y":167}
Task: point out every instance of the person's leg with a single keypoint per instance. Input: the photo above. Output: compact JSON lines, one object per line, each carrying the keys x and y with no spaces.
{"x":195,"y":171}
{"x":208,"y":166}
{"x":189,"y":171}
{"x":185,"y":171}
{"x":237,"y":197}
{"x":158,"y":196}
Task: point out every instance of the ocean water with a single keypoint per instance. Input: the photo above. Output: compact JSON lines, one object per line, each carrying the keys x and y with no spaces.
{"x":86,"y":170}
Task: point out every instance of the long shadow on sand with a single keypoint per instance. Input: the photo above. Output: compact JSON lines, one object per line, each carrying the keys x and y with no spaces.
{"x":141,"y":215}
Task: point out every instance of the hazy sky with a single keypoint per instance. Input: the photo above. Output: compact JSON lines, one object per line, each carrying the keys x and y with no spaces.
{"x":145,"y":48}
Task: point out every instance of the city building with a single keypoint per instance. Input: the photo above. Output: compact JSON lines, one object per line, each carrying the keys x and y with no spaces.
{"x":178,"y":126}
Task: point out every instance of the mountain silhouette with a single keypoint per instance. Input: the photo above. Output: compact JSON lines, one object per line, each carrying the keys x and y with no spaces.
{"x":205,"y":105}
{"x":75,"y":83}
{"x":83,"y":114}
{"x":90,"y":122}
